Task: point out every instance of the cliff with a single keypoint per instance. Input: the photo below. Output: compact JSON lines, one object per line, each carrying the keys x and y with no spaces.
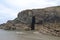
{"x":47,"y":20}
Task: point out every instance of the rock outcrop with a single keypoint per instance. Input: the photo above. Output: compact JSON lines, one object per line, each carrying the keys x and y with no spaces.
{"x":48,"y":14}
{"x":47,"y":20}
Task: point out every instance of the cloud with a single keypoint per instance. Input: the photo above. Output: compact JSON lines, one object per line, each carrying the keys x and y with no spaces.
{"x":6,"y":10}
{"x":32,"y":3}
{"x":6,"y":13}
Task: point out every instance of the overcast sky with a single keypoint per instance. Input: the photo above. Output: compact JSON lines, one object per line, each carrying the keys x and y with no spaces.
{"x":10,"y":8}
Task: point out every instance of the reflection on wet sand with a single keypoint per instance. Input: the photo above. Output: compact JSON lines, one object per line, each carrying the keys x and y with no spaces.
{"x":25,"y":35}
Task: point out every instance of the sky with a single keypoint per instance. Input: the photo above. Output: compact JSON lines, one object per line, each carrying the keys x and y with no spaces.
{"x":10,"y":8}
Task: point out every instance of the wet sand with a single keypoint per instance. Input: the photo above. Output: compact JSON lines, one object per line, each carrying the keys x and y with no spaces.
{"x":25,"y":35}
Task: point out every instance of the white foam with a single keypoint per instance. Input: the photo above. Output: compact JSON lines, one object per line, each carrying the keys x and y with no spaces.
{"x":20,"y":32}
{"x":36,"y":32}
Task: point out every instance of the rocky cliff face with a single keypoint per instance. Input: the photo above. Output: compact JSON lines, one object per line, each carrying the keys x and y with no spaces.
{"x":48,"y":14}
{"x":47,"y":20}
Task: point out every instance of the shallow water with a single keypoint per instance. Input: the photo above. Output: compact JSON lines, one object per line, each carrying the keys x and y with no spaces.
{"x":23,"y":35}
